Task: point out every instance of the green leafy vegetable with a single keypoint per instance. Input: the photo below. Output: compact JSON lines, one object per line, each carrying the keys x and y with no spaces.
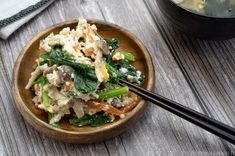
{"x":59,"y":57}
{"x":45,"y":56}
{"x":41,"y":80}
{"x":83,"y":83}
{"x":71,"y":93}
{"x":91,"y":120}
{"x":112,"y":43}
{"x":131,"y":70}
{"x":114,"y":69}
{"x":127,"y":56}
{"x":56,"y":125}
{"x":45,"y":98}
{"x":108,"y":59}
{"x":110,"y":86}
{"x":85,"y":79}
{"x":113,"y":93}
{"x":113,"y":73}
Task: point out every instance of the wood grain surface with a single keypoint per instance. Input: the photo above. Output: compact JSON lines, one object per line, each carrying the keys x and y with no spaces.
{"x":197,"y":73}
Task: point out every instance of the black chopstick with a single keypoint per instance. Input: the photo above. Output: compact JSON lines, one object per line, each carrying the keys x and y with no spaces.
{"x":216,"y":127}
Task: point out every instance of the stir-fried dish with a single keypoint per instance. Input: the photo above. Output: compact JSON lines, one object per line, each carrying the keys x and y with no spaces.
{"x":77,"y":75}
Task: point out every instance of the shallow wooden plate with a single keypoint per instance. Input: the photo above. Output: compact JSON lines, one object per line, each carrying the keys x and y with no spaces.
{"x":68,"y":133}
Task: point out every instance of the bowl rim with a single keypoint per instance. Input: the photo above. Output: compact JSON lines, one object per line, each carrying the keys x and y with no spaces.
{"x":201,"y":15}
{"x":18,"y":99}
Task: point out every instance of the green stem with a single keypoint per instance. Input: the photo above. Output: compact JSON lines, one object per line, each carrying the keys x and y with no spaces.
{"x":45,"y":99}
{"x":56,"y":125}
{"x":127,"y":56}
{"x":113,"y":93}
{"x":114,"y":75}
{"x":111,"y":70}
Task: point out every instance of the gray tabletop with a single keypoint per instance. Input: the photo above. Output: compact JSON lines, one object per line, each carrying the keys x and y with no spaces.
{"x":199,"y":74}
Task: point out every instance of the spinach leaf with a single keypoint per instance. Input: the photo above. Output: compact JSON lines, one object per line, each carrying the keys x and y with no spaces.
{"x":71,"y":93}
{"x":45,"y":56}
{"x":115,"y":66}
{"x":113,"y":73}
{"x":112,"y":43}
{"x":85,"y":79}
{"x":91,"y":120}
{"x":83,"y":83}
{"x":131,"y":70}
{"x":60,"y":57}
{"x":108,"y":59}
{"x":41,"y":80}
{"x":110,"y":86}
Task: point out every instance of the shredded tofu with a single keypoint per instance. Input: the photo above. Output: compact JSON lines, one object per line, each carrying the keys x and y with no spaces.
{"x":118,"y":56}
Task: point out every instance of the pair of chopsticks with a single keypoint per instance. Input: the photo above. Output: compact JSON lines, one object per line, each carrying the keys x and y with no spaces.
{"x":216,"y":127}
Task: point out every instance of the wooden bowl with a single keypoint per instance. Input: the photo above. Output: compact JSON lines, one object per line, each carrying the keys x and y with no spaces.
{"x":68,"y":133}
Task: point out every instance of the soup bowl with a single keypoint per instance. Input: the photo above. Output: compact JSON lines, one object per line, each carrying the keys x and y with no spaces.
{"x":196,"y":24}
{"x":69,"y":133}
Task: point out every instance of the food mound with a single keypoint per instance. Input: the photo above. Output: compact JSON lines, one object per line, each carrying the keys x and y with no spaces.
{"x":78,"y":74}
